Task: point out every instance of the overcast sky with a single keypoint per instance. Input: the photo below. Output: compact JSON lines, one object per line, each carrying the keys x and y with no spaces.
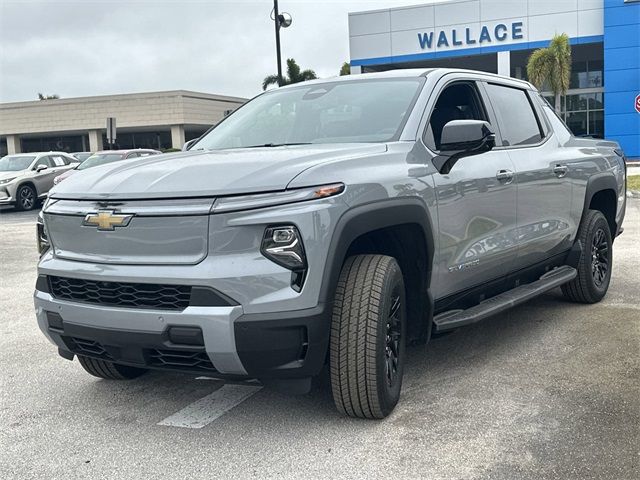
{"x":95,"y":47}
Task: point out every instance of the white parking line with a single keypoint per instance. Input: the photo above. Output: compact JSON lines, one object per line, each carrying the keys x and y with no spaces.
{"x":204,"y":411}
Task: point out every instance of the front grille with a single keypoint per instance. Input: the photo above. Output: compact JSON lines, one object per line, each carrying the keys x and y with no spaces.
{"x":180,"y":359}
{"x":137,"y":295}
{"x":89,"y":348}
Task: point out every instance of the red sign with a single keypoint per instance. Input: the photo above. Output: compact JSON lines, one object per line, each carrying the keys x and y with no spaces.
{"x":638,"y":103}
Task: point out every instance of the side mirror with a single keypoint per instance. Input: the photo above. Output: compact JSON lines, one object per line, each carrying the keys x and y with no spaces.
{"x":463,"y":138}
{"x":41,"y":167}
{"x":187,"y":145}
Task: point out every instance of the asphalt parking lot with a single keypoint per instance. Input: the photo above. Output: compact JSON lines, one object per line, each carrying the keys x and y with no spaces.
{"x":547,"y":390}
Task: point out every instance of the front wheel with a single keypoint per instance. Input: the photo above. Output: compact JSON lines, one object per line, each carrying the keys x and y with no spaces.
{"x":26,"y":198}
{"x":594,"y":267}
{"x":368,"y":331}
{"x":109,"y":370}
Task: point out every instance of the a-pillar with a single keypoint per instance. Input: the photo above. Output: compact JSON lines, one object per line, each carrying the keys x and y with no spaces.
{"x":177,"y":136}
{"x":13,"y":144}
{"x":95,"y":140}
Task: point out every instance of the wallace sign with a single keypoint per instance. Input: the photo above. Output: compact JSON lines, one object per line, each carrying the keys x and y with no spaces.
{"x":467,"y":36}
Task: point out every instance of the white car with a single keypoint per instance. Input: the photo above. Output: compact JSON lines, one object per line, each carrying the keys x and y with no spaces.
{"x":27,"y":177}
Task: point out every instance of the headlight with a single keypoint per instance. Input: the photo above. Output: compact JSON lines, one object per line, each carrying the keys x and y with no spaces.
{"x":261,"y":200}
{"x":7,"y":180}
{"x":282,"y":244}
{"x":56,"y":180}
{"x":41,"y":235}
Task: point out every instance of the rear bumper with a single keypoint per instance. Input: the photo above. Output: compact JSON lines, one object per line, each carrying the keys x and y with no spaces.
{"x":214,"y":341}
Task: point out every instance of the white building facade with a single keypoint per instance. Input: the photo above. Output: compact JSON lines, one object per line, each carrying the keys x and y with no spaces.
{"x":158,"y":120}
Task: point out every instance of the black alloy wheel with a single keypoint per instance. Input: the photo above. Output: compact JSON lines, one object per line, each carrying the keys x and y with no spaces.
{"x":26,"y":198}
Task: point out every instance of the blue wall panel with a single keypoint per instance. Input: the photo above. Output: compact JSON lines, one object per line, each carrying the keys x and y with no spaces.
{"x":622,"y":74}
{"x":621,"y":58}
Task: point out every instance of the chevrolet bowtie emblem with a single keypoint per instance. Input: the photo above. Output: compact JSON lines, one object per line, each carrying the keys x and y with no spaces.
{"x":106,"y":220}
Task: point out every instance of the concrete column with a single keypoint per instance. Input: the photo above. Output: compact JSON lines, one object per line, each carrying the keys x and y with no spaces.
{"x":13,"y":144}
{"x":504,"y":63}
{"x":177,"y":136}
{"x":95,"y":140}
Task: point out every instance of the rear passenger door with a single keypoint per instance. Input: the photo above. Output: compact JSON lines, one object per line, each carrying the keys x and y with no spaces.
{"x":476,"y":200}
{"x":544,"y":189}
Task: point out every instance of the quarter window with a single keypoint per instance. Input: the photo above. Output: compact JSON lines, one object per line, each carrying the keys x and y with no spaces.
{"x":518,"y":122}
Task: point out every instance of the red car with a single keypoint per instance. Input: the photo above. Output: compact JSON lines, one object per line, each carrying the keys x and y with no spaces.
{"x":106,"y":156}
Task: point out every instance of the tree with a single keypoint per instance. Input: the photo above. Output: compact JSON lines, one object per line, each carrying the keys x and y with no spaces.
{"x":345,"y":69}
{"x":294,"y":75}
{"x":48,"y":97}
{"x":551,"y":67}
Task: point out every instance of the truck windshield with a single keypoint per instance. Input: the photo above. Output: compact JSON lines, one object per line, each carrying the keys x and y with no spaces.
{"x":333,"y":112}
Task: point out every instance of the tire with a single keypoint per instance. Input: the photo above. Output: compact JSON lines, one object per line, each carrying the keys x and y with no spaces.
{"x":595,"y":264}
{"x":109,"y":370}
{"x":26,"y":198}
{"x":368,"y":332}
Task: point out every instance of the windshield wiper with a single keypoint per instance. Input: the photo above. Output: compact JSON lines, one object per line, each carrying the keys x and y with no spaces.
{"x":277,"y":145}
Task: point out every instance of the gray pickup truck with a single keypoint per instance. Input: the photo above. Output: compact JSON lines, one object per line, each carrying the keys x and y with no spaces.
{"x":325,"y":225}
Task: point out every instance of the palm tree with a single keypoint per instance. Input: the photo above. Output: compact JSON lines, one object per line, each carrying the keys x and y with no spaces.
{"x":294,"y":75}
{"x":345,"y":69}
{"x":48,"y":97}
{"x":551,"y":67}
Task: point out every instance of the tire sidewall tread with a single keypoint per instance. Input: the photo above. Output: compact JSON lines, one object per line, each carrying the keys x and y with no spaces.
{"x":358,"y":331}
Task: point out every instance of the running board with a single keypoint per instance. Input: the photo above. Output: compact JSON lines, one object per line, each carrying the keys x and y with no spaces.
{"x":504,"y":301}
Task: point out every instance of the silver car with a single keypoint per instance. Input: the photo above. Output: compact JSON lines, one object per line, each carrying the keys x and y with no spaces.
{"x":26,"y":177}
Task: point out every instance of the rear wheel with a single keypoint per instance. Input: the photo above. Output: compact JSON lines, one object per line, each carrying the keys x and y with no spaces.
{"x":25,"y":197}
{"x":109,"y":370}
{"x":368,"y":331}
{"x":594,"y":268}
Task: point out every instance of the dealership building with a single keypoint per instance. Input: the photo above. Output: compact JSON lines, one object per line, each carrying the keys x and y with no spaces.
{"x":498,"y":36}
{"x":158,"y":120}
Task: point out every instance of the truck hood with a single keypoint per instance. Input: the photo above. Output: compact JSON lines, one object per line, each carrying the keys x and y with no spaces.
{"x":205,"y":173}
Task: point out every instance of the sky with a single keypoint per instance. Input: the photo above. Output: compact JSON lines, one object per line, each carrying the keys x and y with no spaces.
{"x":100,"y":47}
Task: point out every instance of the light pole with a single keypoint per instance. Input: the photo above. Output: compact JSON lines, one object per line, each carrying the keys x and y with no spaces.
{"x":281,"y":20}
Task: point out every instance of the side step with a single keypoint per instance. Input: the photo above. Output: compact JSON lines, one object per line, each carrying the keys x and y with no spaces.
{"x":458,"y":318}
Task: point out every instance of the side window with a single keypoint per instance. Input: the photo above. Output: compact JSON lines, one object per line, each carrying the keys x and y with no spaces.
{"x":459,"y":101}
{"x":59,"y":160}
{"x":45,"y":160}
{"x":518,"y":122}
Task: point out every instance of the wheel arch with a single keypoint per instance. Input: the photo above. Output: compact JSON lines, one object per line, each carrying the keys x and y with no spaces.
{"x":400,"y":228}
{"x":601,"y":194}
{"x":29,"y":183}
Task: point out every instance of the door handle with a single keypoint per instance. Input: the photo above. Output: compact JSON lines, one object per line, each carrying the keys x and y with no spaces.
{"x":505,"y":176}
{"x":560,"y":170}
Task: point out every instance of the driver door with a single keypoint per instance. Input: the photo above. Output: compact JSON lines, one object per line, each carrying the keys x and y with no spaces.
{"x":476,"y":201}
{"x":43,"y":179}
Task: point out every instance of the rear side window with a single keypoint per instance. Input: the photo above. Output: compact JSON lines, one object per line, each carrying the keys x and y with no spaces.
{"x":518,"y":122}
{"x":59,"y":161}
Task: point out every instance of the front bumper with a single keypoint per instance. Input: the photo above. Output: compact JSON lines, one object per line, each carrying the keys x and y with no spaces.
{"x":226,"y":343}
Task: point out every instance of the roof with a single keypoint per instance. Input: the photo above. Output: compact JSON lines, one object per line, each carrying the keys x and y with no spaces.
{"x":412,"y":72}
{"x":31,"y":154}
{"x":126,"y":150}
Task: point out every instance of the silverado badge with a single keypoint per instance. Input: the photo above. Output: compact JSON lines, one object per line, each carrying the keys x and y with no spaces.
{"x":106,"y":220}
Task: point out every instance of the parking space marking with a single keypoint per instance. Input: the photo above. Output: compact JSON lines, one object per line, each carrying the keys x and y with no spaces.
{"x":204,"y":411}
